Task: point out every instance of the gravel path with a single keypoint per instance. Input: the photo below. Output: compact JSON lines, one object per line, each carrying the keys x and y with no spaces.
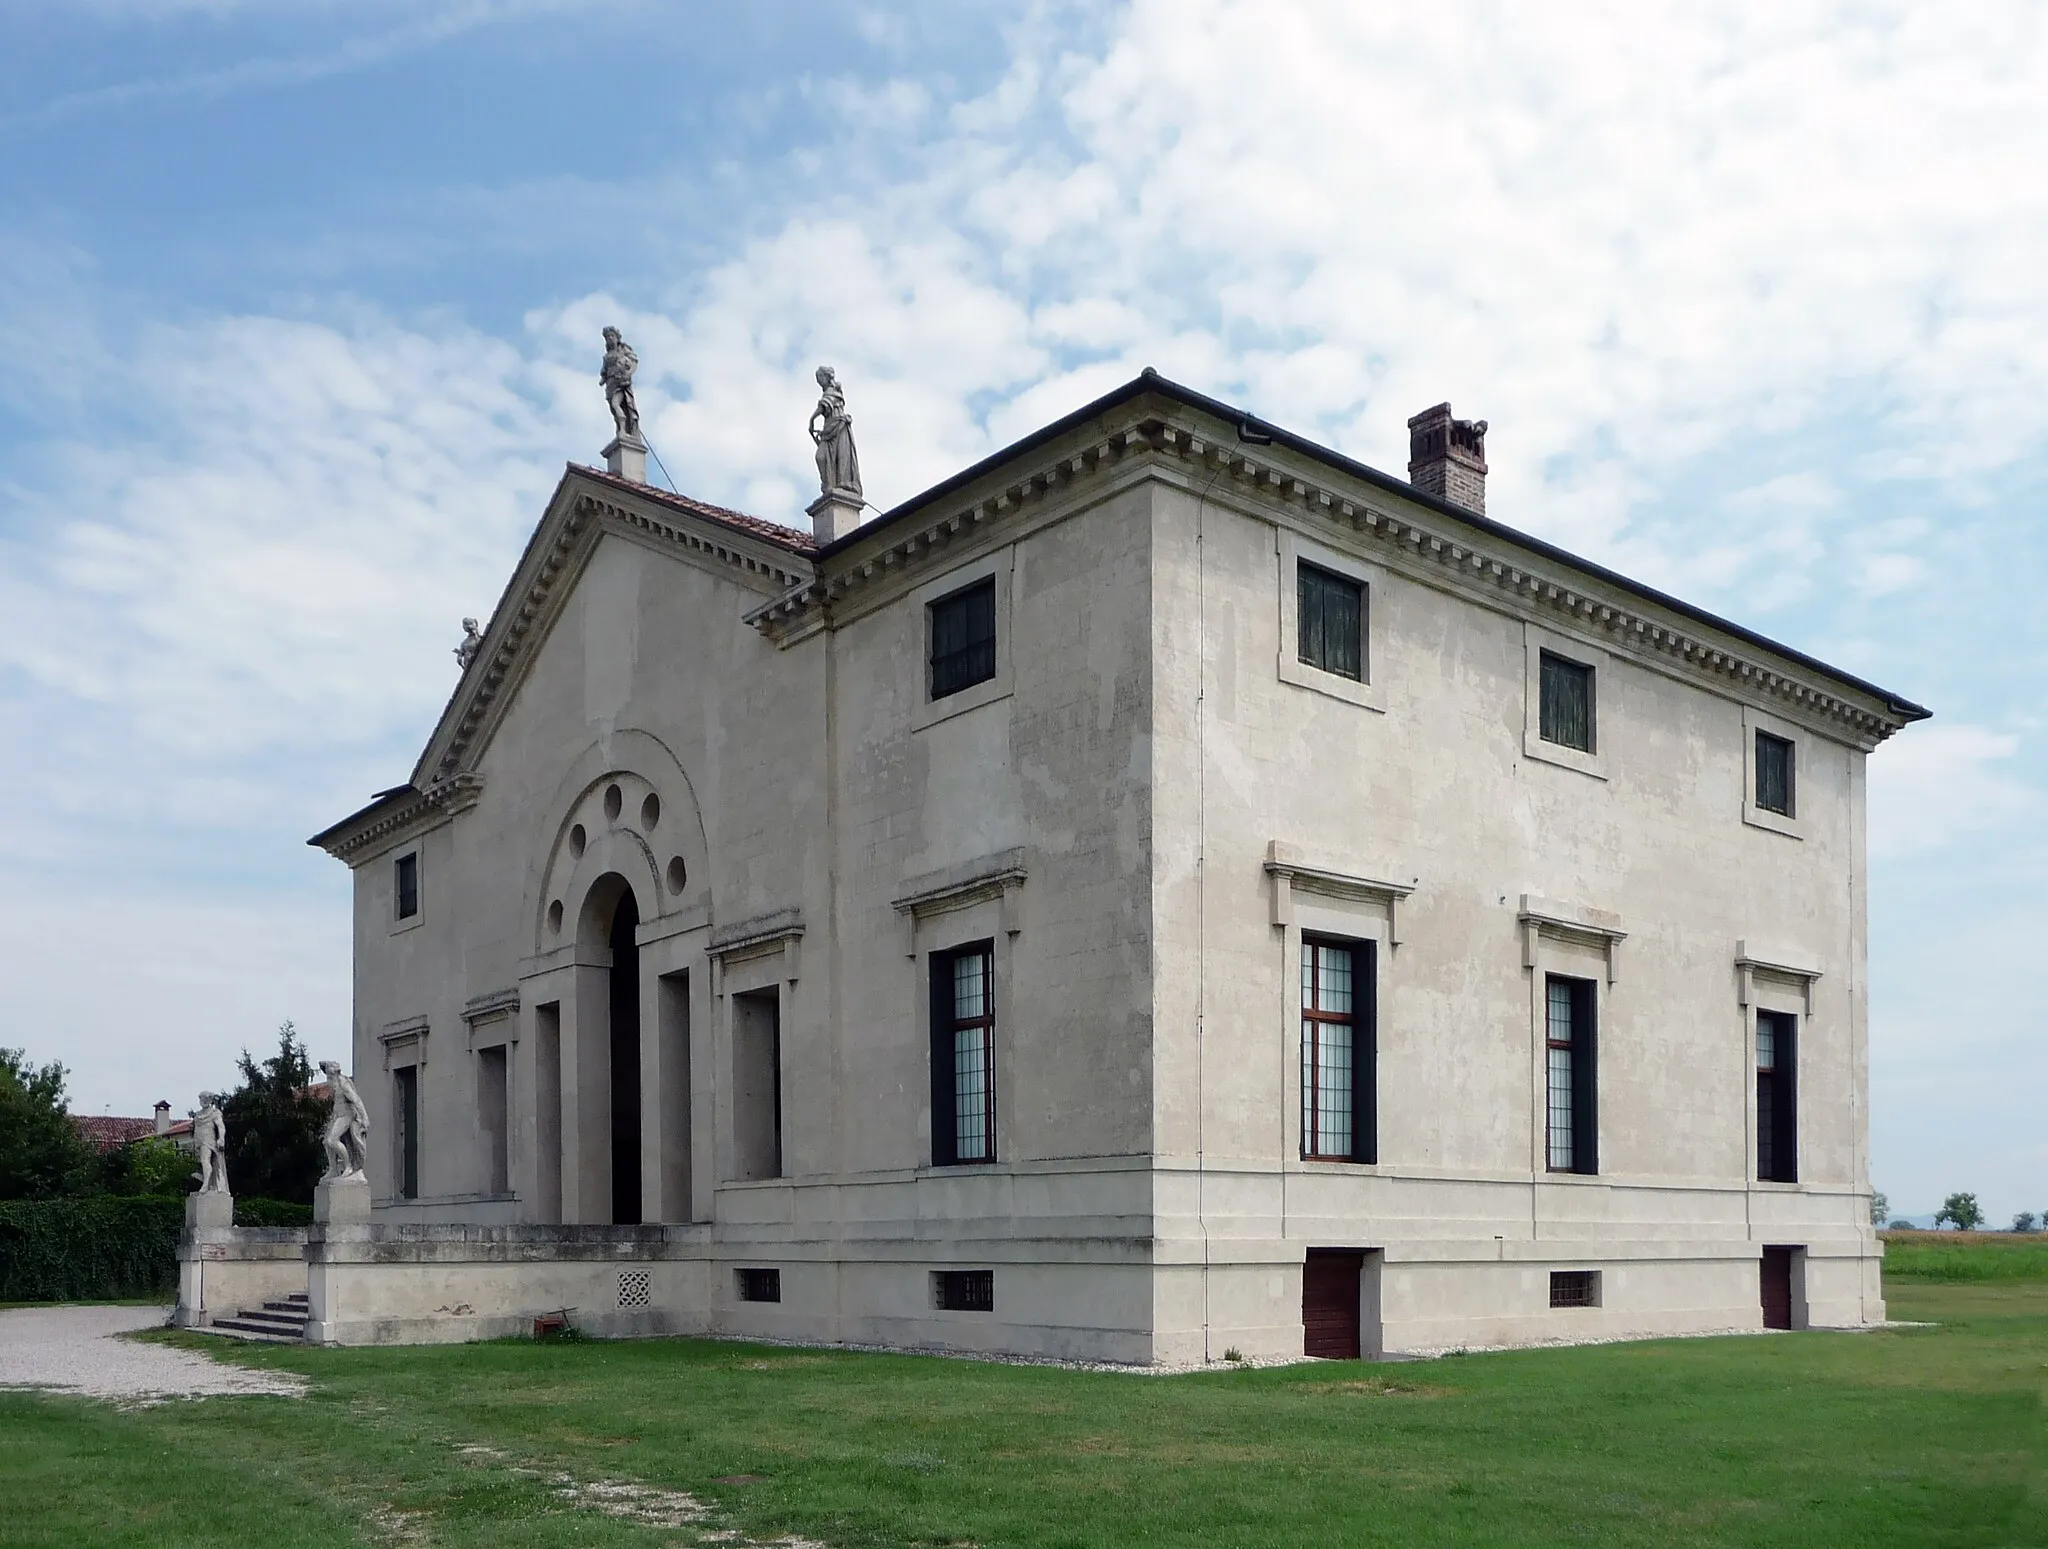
{"x":76,"y":1350}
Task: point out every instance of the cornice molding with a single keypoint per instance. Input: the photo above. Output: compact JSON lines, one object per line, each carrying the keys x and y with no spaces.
{"x":383,"y":824}
{"x":1292,"y":873}
{"x":1540,"y":917}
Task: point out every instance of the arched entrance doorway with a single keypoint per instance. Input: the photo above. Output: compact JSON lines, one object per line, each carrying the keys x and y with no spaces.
{"x":625,"y":1041}
{"x":608,"y":1054}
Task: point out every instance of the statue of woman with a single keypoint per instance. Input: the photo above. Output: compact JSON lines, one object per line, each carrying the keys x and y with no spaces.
{"x":832,"y":428}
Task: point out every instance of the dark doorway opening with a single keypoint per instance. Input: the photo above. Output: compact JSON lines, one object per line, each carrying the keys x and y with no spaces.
{"x":1330,"y":1303}
{"x":625,"y":1031}
{"x":1777,"y":1287}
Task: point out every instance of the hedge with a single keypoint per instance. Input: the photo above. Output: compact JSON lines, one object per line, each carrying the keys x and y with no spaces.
{"x":271,"y":1212}
{"x":99,"y":1249}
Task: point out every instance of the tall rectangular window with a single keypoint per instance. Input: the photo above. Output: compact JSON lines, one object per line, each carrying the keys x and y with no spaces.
{"x":964,"y":1055}
{"x":1338,"y":1057}
{"x":493,"y":1114}
{"x":1572,"y":1143}
{"x":407,"y":1083}
{"x":1774,"y":776}
{"x":1331,"y":621}
{"x":1777,"y":1100}
{"x":1565,"y":715}
{"x":963,"y":639}
{"x":757,"y":1083}
{"x":406,"y":886}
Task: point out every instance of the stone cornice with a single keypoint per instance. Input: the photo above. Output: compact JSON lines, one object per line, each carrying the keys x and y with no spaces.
{"x":398,"y":815}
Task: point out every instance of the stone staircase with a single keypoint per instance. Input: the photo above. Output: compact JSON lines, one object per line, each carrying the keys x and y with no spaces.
{"x":278,"y":1323}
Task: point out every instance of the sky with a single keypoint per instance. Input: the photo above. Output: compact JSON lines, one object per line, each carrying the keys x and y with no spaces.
{"x":299,"y":316}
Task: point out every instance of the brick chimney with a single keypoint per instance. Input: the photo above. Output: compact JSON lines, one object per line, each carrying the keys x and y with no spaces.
{"x":163,"y":1117}
{"x":1447,"y":458}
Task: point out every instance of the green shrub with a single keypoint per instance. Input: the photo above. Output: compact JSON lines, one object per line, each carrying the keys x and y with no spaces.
{"x":104,"y":1248}
{"x":272,"y":1212}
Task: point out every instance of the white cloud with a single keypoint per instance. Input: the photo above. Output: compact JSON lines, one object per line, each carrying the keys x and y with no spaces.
{"x":1938,"y":782}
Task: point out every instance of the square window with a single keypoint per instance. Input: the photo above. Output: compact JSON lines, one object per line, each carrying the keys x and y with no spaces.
{"x":1566,"y":711}
{"x":406,"y":886}
{"x":1331,"y":621}
{"x":965,"y":1290}
{"x":1774,"y":774}
{"x":963,"y":639}
{"x":760,"y":1285}
{"x":1575,"y":1288}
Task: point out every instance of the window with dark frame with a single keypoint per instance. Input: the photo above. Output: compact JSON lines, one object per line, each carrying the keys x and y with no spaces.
{"x":1331,"y":621}
{"x":1338,"y":1123}
{"x":963,"y":639}
{"x":964,"y":1055}
{"x":1575,"y":1288}
{"x":1565,"y":702}
{"x":406,"y":1081}
{"x":760,"y":1285}
{"x":1572,"y":1127}
{"x":1774,"y":774}
{"x":407,"y":887}
{"x":1777,"y":1102}
{"x":966,"y":1290}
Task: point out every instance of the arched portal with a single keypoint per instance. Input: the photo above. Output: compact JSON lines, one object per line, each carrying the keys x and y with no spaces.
{"x":608,"y":1055}
{"x":625,"y":1039}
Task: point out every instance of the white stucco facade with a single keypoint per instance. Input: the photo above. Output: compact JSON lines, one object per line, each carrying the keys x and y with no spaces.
{"x":1141,"y":812}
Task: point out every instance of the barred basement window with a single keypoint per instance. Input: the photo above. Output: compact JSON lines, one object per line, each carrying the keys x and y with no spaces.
{"x":965,"y":1290}
{"x":1575,"y":1288}
{"x":1337,"y":1051}
{"x":964,"y":1056}
{"x":963,"y":639}
{"x":760,"y":1285}
{"x":1774,"y":766}
{"x":1565,"y":714}
{"x":406,"y":886}
{"x":1331,"y":621}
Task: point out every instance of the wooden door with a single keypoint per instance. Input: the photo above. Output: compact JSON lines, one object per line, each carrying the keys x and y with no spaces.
{"x":1329,"y":1303}
{"x":1777,"y":1287}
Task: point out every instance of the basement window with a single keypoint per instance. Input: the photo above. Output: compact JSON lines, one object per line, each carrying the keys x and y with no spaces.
{"x":965,"y":1290}
{"x":1575,"y":1288}
{"x":760,"y":1285}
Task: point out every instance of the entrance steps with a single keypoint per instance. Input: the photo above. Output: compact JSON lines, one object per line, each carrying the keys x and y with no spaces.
{"x":277,"y":1323}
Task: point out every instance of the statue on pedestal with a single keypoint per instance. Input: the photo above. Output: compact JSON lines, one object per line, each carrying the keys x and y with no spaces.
{"x":472,"y":642}
{"x":617,"y":376}
{"x":210,"y":1138}
{"x":347,"y":1136}
{"x":831,"y":428}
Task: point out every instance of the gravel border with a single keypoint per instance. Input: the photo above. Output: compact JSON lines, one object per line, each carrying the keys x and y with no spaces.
{"x":80,"y":1350}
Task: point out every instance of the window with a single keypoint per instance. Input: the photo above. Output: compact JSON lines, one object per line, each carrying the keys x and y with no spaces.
{"x":406,"y":886}
{"x":1566,"y":713}
{"x":1774,"y":766}
{"x":1777,"y":1121}
{"x":1573,"y":1128}
{"x":1337,"y":1051}
{"x":757,"y":1084}
{"x":407,"y":1082}
{"x":760,"y":1285}
{"x":963,"y":639}
{"x":493,"y":1110}
{"x":1331,"y":614}
{"x":965,"y":1290}
{"x":964,"y":1056}
{"x":1575,"y":1288}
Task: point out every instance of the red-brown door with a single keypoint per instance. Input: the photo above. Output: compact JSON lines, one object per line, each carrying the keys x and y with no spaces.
{"x":1777,"y":1287}
{"x":1329,"y":1303}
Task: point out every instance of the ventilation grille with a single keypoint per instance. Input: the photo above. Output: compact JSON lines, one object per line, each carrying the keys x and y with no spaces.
{"x":635,"y":1287}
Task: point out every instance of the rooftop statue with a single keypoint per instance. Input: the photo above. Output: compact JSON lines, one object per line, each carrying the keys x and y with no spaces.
{"x":347,"y":1136}
{"x":472,"y":642}
{"x":832,"y":428}
{"x":210,"y":1137}
{"x":617,"y":376}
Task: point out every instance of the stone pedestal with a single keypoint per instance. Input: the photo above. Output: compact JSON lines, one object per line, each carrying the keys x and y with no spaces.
{"x":626,"y":456}
{"x":209,"y":1209}
{"x":345,"y":1201}
{"x":835,"y":514}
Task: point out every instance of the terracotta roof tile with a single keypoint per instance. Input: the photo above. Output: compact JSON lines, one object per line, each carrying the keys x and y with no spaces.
{"x":107,"y":1132}
{"x":787,"y":537}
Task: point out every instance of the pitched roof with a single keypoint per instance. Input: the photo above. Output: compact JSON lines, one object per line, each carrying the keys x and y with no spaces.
{"x":796,"y":542}
{"x":106,"y":1132}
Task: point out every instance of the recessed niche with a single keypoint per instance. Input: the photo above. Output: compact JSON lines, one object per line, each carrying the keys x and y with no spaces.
{"x":614,"y":799}
{"x":555,"y":917}
{"x":678,"y":874}
{"x":577,"y":840}
{"x":650,"y":812}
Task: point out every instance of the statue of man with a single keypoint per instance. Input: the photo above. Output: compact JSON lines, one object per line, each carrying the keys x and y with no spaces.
{"x":472,"y":642}
{"x":210,"y":1137}
{"x":831,"y":428}
{"x":347,"y":1136}
{"x":617,"y":376}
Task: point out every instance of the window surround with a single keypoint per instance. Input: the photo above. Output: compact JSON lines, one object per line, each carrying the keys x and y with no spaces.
{"x":943,"y":911}
{"x":1599,"y":929}
{"x":1536,"y":641}
{"x":404,"y":1042}
{"x":493,"y":1018}
{"x":1799,"y":969}
{"x":1570,"y":942}
{"x":925,"y":710}
{"x":1294,"y":551}
{"x":1795,"y":826}
{"x":418,"y":917}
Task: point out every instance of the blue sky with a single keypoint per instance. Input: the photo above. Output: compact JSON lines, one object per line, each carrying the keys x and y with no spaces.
{"x":298,"y":304}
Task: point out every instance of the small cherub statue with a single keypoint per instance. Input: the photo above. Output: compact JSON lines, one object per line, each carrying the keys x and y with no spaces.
{"x":472,"y":642}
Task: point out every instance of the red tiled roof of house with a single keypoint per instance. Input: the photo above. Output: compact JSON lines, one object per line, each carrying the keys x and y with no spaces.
{"x":788,"y":537}
{"x":106,"y":1132}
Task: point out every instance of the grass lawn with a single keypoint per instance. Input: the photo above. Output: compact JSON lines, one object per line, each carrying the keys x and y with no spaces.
{"x":1910,"y":1436}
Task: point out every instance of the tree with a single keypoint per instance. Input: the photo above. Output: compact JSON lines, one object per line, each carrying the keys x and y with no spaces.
{"x":274,"y":1126}
{"x":1960,"y":1211}
{"x":150,"y":1166}
{"x":2024,"y":1221}
{"x":41,"y":1153}
{"x":1880,"y":1208}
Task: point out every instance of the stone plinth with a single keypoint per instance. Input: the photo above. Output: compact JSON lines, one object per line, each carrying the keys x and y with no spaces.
{"x":345,"y":1201}
{"x":834,"y":515}
{"x":626,"y":456}
{"x":209,"y":1208}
